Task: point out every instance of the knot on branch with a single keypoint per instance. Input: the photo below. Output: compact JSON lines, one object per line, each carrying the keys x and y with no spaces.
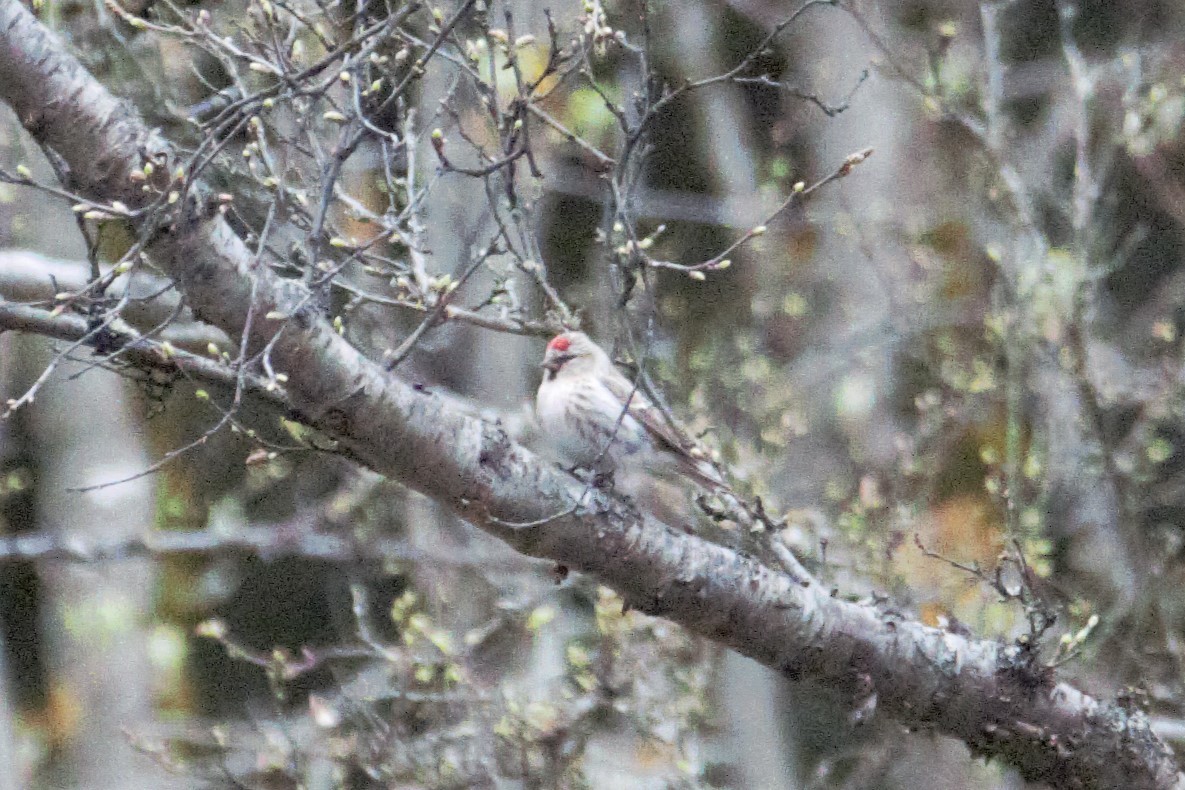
{"x":1020,"y":667}
{"x":496,"y":454}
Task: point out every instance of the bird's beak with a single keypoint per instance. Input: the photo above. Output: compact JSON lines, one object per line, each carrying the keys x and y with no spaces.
{"x":553,"y":363}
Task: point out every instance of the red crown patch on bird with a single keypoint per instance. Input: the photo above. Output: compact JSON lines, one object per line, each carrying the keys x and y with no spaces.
{"x":559,"y":343}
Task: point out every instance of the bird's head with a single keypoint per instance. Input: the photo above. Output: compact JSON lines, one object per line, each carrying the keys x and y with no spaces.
{"x":571,"y":352}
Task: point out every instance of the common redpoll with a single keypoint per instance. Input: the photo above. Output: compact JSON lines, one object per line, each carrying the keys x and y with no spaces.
{"x":595,"y":418}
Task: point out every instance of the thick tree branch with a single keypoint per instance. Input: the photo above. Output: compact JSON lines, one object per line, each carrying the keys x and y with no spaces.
{"x":993,"y":697}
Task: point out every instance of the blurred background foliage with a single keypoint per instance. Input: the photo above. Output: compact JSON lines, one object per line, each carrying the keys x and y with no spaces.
{"x":955,"y":372}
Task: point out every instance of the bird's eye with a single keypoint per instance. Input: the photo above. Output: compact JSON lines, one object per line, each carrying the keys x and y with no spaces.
{"x":559,"y":343}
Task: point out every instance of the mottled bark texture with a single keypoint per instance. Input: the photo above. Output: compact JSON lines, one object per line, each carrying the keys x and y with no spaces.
{"x":988,"y":695}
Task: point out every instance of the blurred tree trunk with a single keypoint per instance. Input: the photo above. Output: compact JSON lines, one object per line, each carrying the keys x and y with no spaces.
{"x":861,"y":262}
{"x":10,"y":769}
{"x":87,"y":431}
{"x":752,"y":697}
{"x":83,"y":432}
{"x":866,"y":290}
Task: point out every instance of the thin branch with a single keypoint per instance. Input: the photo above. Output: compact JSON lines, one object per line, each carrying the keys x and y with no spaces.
{"x":268,"y":542}
{"x":137,"y":351}
{"x":800,"y":193}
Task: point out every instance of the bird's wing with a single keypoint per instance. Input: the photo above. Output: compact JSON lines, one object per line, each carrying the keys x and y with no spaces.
{"x":668,"y":436}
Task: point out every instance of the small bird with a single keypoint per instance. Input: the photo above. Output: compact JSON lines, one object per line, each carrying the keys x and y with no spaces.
{"x":597,"y":419}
